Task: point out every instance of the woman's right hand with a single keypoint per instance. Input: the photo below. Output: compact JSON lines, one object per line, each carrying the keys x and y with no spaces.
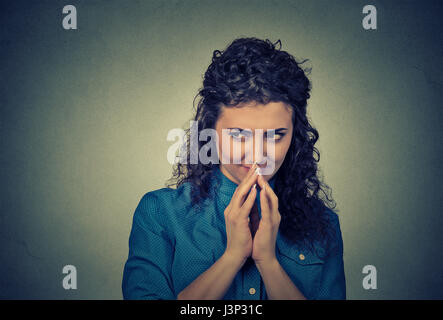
{"x":238,"y":233}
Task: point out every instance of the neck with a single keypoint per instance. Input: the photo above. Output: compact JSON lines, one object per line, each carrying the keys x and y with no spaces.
{"x":228,"y":175}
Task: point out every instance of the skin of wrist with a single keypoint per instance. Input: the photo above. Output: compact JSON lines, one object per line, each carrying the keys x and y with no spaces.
{"x":233,"y":260}
{"x":270,"y":263}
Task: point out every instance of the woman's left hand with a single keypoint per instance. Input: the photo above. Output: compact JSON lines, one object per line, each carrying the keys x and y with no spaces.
{"x":263,"y":247}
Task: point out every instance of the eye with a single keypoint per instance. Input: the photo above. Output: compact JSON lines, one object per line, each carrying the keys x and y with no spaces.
{"x":275,"y":136}
{"x":236,"y":134}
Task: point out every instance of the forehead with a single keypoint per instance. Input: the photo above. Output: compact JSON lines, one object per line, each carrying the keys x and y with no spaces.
{"x":256,"y":116}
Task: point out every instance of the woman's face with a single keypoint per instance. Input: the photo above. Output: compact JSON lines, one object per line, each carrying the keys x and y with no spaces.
{"x":269,"y":151}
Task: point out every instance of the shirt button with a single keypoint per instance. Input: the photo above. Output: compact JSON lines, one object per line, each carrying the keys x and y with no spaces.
{"x":301,"y":256}
{"x":251,"y":291}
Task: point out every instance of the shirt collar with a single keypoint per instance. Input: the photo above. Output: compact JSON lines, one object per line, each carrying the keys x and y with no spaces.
{"x":225,"y":188}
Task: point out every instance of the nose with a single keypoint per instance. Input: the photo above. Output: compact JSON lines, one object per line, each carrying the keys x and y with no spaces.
{"x":255,"y":150}
{"x":260,"y":158}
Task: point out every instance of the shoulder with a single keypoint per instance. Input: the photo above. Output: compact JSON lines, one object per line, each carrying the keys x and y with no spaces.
{"x":158,"y":205}
{"x":335,"y":241}
{"x":332,"y":218}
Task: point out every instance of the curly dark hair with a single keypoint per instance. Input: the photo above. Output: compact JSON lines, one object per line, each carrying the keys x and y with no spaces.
{"x":254,"y":70}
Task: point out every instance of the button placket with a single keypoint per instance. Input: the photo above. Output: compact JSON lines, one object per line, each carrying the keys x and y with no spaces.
{"x":251,"y":284}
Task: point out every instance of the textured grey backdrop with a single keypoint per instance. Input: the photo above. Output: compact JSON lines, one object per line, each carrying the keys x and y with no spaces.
{"x":85,"y":114}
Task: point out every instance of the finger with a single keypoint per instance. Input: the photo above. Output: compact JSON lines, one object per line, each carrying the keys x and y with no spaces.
{"x":251,"y":171}
{"x":248,"y":175}
{"x":227,"y":209}
{"x":243,"y":190}
{"x":249,"y":202}
{"x":264,"y":204}
{"x":273,"y":199}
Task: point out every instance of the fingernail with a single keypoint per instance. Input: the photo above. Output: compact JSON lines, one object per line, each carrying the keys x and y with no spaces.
{"x":254,"y":186}
{"x":257,"y":171}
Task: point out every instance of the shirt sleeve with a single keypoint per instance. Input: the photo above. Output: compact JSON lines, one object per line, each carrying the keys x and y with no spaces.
{"x":333,"y":284}
{"x":146,"y":274}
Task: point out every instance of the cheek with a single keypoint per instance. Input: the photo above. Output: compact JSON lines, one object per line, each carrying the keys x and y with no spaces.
{"x":277,"y":152}
{"x":224,"y":149}
{"x":276,"y":157}
{"x":283,"y":150}
{"x":231,"y":150}
{"x":280,"y":155}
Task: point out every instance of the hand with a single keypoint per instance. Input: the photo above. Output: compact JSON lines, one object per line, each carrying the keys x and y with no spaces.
{"x":239,"y":238}
{"x":263,"y":251}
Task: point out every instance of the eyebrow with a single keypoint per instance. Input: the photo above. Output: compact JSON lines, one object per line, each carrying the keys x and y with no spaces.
{"x":276,"y":130}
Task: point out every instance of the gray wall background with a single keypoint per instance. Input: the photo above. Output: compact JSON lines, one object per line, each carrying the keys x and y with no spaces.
{"x":85,"y":114}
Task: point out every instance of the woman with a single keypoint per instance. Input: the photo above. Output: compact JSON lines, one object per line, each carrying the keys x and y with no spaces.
{"x":229,"y":231}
